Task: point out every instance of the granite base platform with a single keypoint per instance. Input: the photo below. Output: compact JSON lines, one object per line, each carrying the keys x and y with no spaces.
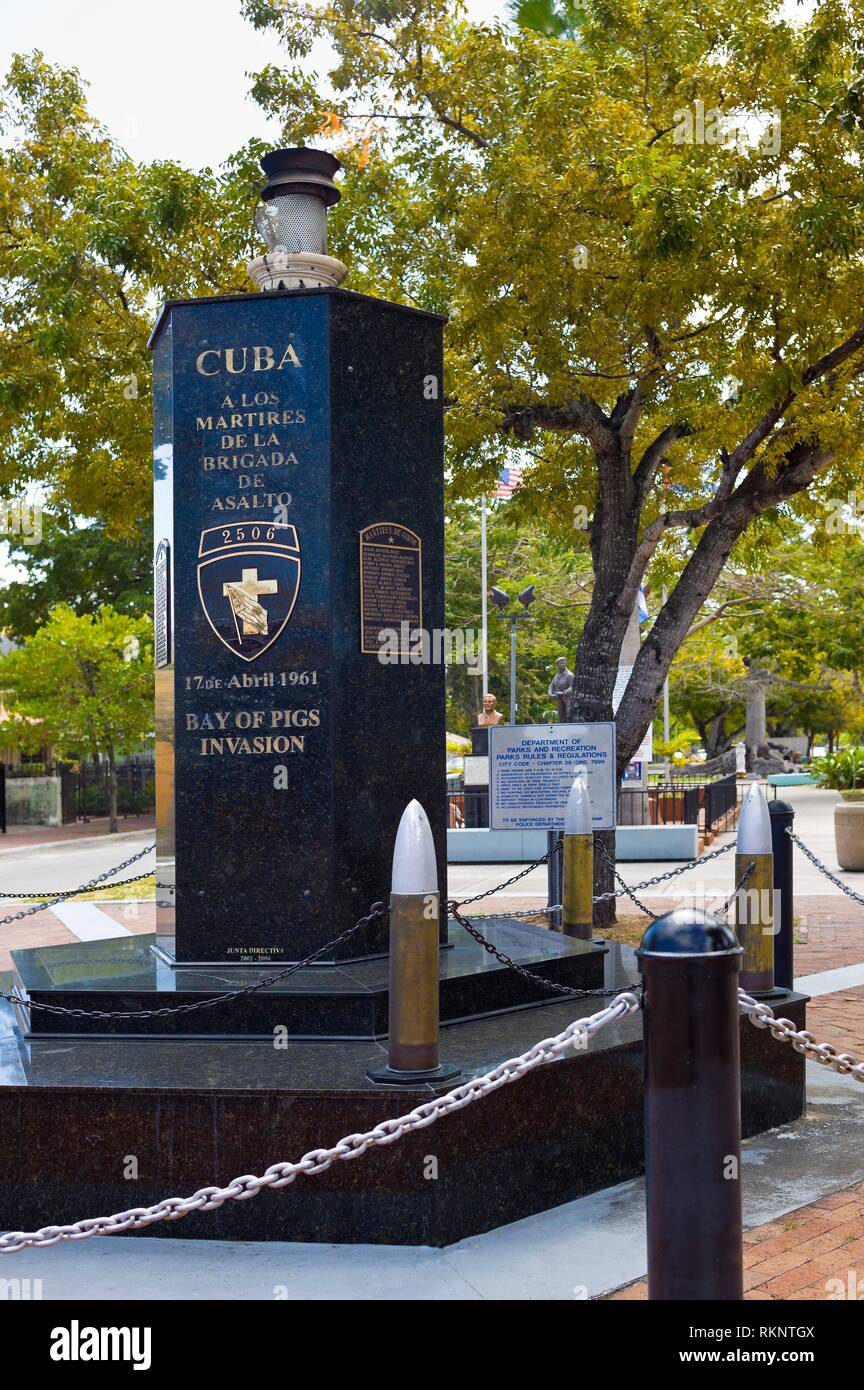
{"x":345,"y":1000}
{"x":199,"y":1111}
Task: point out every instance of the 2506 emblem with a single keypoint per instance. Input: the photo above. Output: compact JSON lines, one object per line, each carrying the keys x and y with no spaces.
{"x":248,"y":581}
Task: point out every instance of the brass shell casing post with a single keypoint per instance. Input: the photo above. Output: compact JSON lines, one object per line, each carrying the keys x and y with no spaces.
{"x":754,"y":900}
{"x":576,"y":897}
{"x":754,"y":921}
{"x":413,"y":1041}
{"x":577,"y":891}
{"x":412,"y":1056}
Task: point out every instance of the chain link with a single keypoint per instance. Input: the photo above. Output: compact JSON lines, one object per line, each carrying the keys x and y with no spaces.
{"x":376,"y":911}
{"x":802,"y":1040}
{"x":823,"y":868}
{"x":352,"y":1146}
{"x":627,"y":891}
{"x":489,"y":892}
{"x":85,"y":888}
{"x":503,"y":959}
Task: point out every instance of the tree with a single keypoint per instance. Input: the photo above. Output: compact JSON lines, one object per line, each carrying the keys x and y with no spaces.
{"x":649,"y":241}
{"x":78,"y":566}
{"x":87,"y":682}
{"x":90,"y":242}
{"x":519,"y":554}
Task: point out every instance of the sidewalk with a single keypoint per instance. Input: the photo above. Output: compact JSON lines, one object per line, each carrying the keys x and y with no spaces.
{"x":814,"y":1253}
{"x":34,"y":835}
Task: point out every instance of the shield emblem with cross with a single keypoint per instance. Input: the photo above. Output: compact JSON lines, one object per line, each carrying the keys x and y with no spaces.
{"x":248,"y":581}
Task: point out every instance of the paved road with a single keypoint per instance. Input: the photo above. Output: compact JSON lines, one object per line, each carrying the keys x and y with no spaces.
{"x":65,"y":866}
{"x":814,"y":823}
{"x":31,"y":869}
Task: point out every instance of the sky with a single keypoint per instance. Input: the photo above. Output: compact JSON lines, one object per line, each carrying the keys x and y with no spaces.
{"x":167,"y":77}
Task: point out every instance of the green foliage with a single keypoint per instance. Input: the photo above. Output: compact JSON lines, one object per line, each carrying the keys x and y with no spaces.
{"x":77,"y":566}
{"x":518,"y":554}
{"x":82,"y":683}
{"x":716,"y":274}
{"x":90,"y":242}
{"x":842,"y":771}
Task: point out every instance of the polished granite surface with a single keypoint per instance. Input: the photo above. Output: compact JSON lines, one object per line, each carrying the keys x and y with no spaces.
{"x":243,"y":1064}
{"x":265,"y":864}
{"x":124,"y":975}
{"x":201,"y":1111}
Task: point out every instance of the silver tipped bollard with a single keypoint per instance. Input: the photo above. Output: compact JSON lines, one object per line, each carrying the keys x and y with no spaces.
{"x":578,"y":854}
{"x":754,"y":901}
{"x":414,"y":918}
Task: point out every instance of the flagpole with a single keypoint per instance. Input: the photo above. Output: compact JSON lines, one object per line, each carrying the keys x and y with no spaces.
{"x":485,"y":585}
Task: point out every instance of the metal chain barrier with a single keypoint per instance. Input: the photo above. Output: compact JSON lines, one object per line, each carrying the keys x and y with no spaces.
{"x":630,"y":892}
{"x":823,"y":868}
{"x":626,"y":891}
{"x":503,"y":959}
{"x":802,"y":1040}
{"x":319,"y":1160}
{"x":377,"y":910}
{"x":489,"y":892}
{"x":73,"y":892}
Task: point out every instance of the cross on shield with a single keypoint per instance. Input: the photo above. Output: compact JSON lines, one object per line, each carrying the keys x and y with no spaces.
{"x":248,"y":581}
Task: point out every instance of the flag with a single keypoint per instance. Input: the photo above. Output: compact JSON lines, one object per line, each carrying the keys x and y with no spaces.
{"x":508,"y":481}
{"x":252,"y":614}
{"x":642,"y":606}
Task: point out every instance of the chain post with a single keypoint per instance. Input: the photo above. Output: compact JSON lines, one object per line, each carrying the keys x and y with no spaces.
{"x":754,"y":903}
{"x":782,"y":819}
{"x":689,"y":961}
{"x":578,"y":862}
{"x":414,"y":981}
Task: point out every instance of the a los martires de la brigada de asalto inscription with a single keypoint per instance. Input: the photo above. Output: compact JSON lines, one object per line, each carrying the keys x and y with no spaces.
{"x":249,"y":570}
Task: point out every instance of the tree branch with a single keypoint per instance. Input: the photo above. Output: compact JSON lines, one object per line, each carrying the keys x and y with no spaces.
{"x":579,"y":416}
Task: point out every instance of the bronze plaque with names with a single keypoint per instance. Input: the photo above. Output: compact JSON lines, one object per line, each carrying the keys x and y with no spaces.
{"x":391,"y":586}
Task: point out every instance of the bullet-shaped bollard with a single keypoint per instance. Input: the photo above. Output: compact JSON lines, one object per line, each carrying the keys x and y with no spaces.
{"x":782,"y":817}
{"x":414,"y":917}
{"x":754,"y":902}
{"x":689,"y":963}
{"x":578,"y":883}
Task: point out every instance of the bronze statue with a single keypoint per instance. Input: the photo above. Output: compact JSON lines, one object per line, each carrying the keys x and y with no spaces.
{"x":561,"y":686}
{"x":489,"y":716}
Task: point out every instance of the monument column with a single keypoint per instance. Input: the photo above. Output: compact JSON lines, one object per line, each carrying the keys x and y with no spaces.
{"x":298,"y":464}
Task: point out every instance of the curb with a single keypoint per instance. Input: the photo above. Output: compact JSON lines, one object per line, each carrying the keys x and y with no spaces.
{"x":122,"y":837}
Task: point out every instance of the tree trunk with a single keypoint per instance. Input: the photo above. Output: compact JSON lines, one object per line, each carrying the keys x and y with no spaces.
{"x":614,"y":537}
{"x":718,"y":739}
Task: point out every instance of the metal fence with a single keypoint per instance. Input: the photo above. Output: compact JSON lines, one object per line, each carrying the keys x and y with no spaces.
{"x":709,"y":805}
{"x":84,"y":787}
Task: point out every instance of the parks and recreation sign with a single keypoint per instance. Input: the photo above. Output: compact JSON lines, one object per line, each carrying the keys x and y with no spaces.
{"x":531,"y":771}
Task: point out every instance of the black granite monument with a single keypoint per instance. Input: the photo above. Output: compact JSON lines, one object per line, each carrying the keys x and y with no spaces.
{"x":298,"y":517}
{"x":299,"y":542}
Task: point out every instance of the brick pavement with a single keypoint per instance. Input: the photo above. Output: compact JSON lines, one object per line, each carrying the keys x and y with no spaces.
{"x":813,"y":1253}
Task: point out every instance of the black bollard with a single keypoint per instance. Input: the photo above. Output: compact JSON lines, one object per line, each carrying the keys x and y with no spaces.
{"x":782,"y":816}
{"x":690,"y":961}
